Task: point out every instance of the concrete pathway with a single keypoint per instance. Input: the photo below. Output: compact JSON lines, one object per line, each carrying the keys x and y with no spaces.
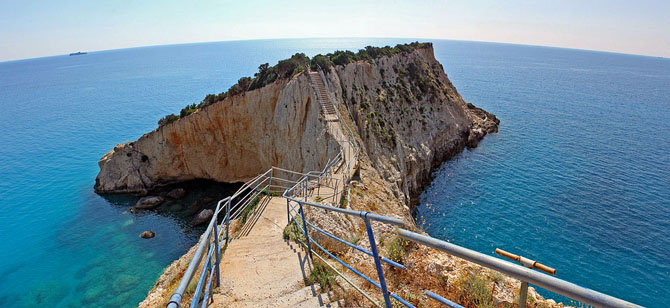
{"x":261,"y":269}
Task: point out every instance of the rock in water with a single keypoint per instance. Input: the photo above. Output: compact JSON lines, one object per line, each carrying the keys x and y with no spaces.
{"x":147,"y":234}
{"x":177,"y":193}
{"x":149,"y":202}
{"x":202,"y":217}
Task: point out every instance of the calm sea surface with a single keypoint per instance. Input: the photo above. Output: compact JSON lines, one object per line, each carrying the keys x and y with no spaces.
{"x":577,"y":177}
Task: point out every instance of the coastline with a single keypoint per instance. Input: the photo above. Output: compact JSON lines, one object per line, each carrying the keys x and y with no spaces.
{"x":402,"y":147}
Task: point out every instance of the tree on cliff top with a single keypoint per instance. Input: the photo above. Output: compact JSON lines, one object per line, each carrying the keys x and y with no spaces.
{"x":289,"y":67}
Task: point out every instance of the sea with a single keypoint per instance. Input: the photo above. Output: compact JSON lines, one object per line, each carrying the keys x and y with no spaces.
{"x":577,"y":178}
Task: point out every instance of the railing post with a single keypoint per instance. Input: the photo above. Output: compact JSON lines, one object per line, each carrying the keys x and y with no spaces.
{"x":523,"y":292}
{"x":288,"y":211}
{"x":270,"y":182}
{"x":216,"y":252}
{"x":378,"y":263}
{"x":227,"y":219}
{"x":304,"y":228}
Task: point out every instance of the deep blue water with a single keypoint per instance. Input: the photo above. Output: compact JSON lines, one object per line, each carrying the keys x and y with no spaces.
{"x":575,"y":178}
{"x":578,"y":176}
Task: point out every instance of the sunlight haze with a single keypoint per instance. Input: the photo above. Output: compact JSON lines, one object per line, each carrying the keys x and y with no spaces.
{"x":45,"y":28}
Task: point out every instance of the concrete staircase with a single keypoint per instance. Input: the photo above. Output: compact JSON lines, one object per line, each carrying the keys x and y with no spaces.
{"x":261,"y":269}
{"x":327,"y":107}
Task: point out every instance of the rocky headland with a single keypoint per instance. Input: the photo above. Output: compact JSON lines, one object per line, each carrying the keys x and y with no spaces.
{"x":407,"y":118}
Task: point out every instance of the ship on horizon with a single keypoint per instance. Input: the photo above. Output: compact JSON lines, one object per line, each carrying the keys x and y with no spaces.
{"x":78,"y":53}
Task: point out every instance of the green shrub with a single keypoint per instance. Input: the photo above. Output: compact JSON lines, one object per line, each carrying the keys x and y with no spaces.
{"x":188,"y":110}
{"x":293,"y":231}
{"x":397,"y":249}
{"x":167,"y":119}
{"x":473,"y":291}
{"x":323,"y":275}
{"x":322,"y":61}
{"x":246,"y":212}
{"x":297,"y":63}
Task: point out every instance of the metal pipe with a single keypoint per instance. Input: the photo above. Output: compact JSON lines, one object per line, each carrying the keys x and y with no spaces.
{"x":367,"y":252}
{"x":216,"y":252}
{"x":378,"y":263}
{"x":527,"y":262}
{"x":175,"y":299}
{"x":227,"y":220}
{"x":442,"y":300}
{"x":554,"y":284}
{"x":523,"y":293}
{"x":304,"y":228}
{"x":201,"y":280}
{"x":380,"y":218}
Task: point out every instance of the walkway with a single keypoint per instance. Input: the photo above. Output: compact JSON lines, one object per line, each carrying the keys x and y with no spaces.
{"x":261,"y":269}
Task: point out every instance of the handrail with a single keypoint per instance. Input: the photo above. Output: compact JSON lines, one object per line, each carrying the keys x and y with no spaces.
{"x":175,"y":299}
{"x":213,"y":238}
{"x":385,"y":219}
{"x":548,"y":282}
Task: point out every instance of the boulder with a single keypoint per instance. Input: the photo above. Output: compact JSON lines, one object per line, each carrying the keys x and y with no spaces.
{"x":208,"y":200}
{"x":149,"y":202}
{"x":147,"y":234}
{"x":202,"y":217}
{"x":177,"y":193}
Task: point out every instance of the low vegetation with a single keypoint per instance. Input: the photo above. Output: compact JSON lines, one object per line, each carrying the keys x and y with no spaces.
{"x":397,"y":248}
{"x":289,"y":67}
{"x":473,"y":290}
{"x":323,"y":275}
{"x":293,"y":232}
{"x":249,"y":209}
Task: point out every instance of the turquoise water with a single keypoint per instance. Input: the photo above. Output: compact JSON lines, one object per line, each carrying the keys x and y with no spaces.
{"x":61,"y":244}
{"x":578,"y":177}
{"x":582,"y":149}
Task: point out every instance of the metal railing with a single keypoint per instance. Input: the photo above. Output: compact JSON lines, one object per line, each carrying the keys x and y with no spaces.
{"x":297,"y":197}
{"x":524,"y":274}
{"x":216,"y":235}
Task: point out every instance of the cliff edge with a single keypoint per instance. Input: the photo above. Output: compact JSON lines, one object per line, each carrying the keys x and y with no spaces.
{"x":408,"y":114}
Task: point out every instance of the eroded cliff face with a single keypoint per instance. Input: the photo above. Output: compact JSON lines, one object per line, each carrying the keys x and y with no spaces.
{"x":409,"y":116}
{"x":229,"y":141}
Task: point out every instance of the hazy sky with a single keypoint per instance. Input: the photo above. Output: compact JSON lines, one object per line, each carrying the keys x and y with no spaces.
{"x":43,"y":28}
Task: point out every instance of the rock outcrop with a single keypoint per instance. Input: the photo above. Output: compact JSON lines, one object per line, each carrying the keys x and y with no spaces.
{"x":147,"y":234}
{"x":177,"y":193}
{"x":408,"y":114}
{"x":203,"y":216}
{"x":149,"y":202}
{"x":229,"y":141}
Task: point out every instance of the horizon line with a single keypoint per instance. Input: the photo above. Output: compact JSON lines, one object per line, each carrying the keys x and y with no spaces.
{"x":344,"y":37}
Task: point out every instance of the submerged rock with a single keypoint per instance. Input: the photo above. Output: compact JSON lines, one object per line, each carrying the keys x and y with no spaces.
{"x":177,"y":193}
{"x":149,"y":202}
{"x":208,"y":200}
{"x":147,"y":234}
{"x":202,"y":217}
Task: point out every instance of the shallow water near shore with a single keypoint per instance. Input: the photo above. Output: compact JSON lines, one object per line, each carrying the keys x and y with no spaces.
{"x":583,"y":149}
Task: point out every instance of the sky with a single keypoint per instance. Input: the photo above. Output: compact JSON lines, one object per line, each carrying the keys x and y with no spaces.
{"x":43,"y":28}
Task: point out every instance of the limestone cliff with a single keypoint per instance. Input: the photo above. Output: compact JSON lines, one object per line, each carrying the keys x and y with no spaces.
{"x":231,"y":140}
{"x":408,"y":114}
